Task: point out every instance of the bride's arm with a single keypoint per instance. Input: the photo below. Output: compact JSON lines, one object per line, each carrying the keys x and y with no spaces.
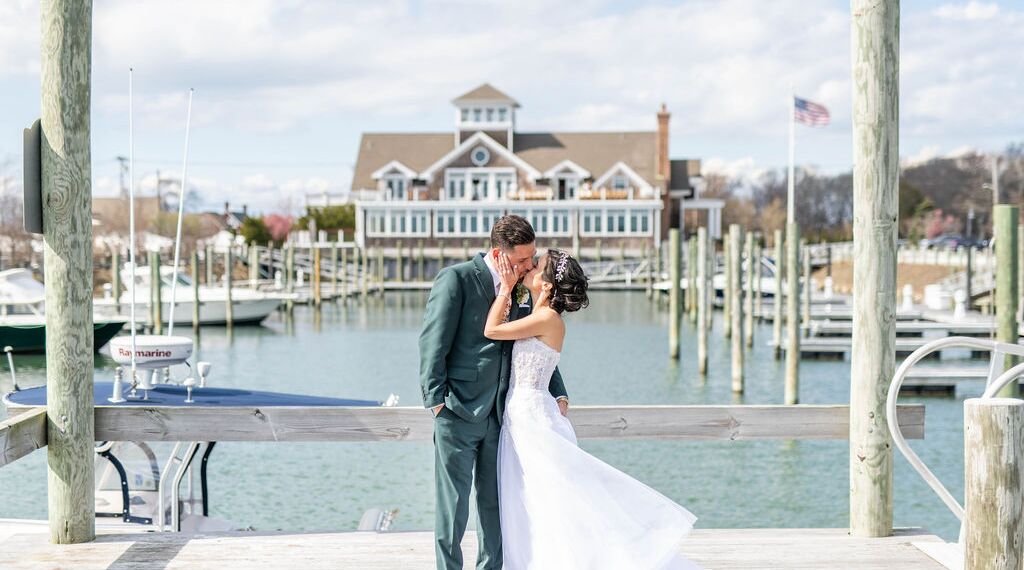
{"x":531,"y":325}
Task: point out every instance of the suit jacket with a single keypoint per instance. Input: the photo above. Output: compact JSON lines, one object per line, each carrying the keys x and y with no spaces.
{"x":459,"y":366}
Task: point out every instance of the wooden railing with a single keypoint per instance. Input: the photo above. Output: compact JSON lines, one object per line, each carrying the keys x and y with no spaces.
{"x":26,"y":432}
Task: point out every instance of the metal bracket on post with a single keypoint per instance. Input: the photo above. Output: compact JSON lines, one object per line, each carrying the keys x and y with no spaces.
{"x":33,"y":178}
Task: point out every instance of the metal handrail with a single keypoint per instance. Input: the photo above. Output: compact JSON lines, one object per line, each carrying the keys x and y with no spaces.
{"x":993,"y":385}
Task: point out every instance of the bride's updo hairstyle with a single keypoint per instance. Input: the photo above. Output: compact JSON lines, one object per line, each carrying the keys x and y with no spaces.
{"x":568,"y":282}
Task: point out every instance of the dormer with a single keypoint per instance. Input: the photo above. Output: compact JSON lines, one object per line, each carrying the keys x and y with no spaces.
{"x":485,"y":109}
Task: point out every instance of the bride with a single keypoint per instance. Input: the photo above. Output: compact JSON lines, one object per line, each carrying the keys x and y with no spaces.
{"x":561,"y":507}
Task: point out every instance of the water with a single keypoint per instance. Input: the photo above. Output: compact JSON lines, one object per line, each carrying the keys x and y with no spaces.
{"x":615,"y":353}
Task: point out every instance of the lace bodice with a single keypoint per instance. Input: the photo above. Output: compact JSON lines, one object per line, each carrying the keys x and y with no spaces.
{"x":533,"y":362}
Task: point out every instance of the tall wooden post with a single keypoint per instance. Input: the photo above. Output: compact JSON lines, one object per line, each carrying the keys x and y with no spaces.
{"x":791,"y":390}
{"x":344,"y":273}
{"x":399,"y":263}
{"x":209,"y":265}
{"x":993,"y":475}
{"x":229,"y":264}
{"x":195,"y":290}
{"x":691,"y":278}
{"x":115,"y":278}
{"x":969,"y":276}
{"x":381,"y":270}
{"x":317,"y":291}
{"x":254,"y":264}
{"x":67,"y":260}
{"x":334,"y":270}
{"x":421,"y":263}
{"x":736,"y":304}
{"x":748,"y":299}
{"x":156,"y":294}
{"x":702,"y":300}
{"x":875,"y":48}
{"x":777,"y":298}
{"x":726,"y":289}
{"x":1006,"y":245}
{"x":673,"y":293}
{"x":365,"y":281}
{"x":1020,"y":270}
{"x":758,"y":273}
{"x":289,"y":274}
{"x":805,"y":254}
{"x":440,"y":257}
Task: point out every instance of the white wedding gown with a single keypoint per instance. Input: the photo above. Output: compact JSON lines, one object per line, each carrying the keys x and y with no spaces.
{"x":562,"y":508}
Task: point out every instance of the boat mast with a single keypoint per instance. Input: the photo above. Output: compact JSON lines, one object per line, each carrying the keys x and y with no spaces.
{"x":181,"y":211}
{"x":131,"y":218}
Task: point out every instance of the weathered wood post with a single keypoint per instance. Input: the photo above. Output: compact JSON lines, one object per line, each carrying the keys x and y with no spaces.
{"x":115,"y":278}
{"x":748,"y":299}
{"x":421,"y":263}
{"x":229,"y":264}
{"x":687,"y":268}
{"x":209,"y":264}
{"x":381,"y":270}
{"x":440,"y":257}
{"x":289,"y":274}
{"x":726,"y":289}
{"x":691,"y":278}
{"x":673,"y":293}
{"x":597,"y":251}
{"x":993,"y":475}
{"x":66,"y":77}
{"x":805,"y":253}
{"x":875,"y":47}
{"x":1020,"y":271}
{"x":736,"y":304}
{"x":399,"y":263}
{"x":791,"y":391}
{"x":335,"y":277}
{"x":365,"y":282}
{"x":465,"y":249}
{"x":344,"y":273}
{"x":317,"y":291}
{"x":702,"y":300}
{"x":1006,"y":245}
{"x":758,"y":273}
{"x":254,"y":264}
{"x":778,"y":297}
{"x":155,"y":293}
{"x":969,"y":276}
{"x":649,"y":277}
{"x":195,"y":290}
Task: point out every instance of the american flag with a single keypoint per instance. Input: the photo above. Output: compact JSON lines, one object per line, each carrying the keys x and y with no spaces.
{"x":809,"y":113}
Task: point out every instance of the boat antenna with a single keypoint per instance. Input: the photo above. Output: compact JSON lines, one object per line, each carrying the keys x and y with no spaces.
{"x":181,"y":211}
{"x":131,"y":218}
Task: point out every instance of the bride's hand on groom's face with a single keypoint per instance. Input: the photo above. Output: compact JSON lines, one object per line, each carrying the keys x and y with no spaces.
{"x":506,"y":272}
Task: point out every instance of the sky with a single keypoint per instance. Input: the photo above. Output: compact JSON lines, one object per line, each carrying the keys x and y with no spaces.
{"x":284,"y":88}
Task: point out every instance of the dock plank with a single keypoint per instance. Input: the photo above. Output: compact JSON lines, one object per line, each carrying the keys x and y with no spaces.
{"x":727,"y":549}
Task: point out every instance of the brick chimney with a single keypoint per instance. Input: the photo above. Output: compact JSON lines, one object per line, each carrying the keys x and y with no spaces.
{"x":662,"y":145}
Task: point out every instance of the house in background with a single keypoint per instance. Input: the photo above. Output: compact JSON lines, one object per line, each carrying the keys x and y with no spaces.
{"x":575,"y":187}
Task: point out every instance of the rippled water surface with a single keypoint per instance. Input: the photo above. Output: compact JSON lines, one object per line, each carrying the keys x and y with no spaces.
{"x":616,"y":353}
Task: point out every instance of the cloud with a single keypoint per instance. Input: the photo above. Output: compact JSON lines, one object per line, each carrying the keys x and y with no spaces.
{"x":969,"y":11}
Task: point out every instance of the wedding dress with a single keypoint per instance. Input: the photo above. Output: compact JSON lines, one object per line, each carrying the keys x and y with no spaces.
{"x":562,"y":508}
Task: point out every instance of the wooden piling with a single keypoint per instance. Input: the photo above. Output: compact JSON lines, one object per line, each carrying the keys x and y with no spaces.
{"x":316,"y":277}
{"x":673,"y":293}
{"x":702,"y":300}
{"x":421,"y":263}
{"x":736,"y":304}
{"x":365,"y":281}
{"x":597,"y":251}
{"x":969,"y":276}
{"x":1020,"y":271}
{"x":65,"y":154}
{"x":335,"y":277}
{"x":748,"y":289}
{"x":440,"y":257}
{"x":381,"y":270}
{"x":778,"y":297}
{"x":993,"y":476}
{"x":229,"y":263}
{"x":254,"y":265}
{"x":399,"y":263}
{"x":465,"y":249}
{"x":209,"y":265}
{"x":875,"y":70}
{"x":1006,"y":294}
{"x":758,"y":273}
{"x":289,"y":274}
{"x":115,"y":278}
{"x":805,"y":256}
{"x":344,"y":273}
{"x":726,"y":289}
{"x":691,"y":278}
{"x":195,"y":290}
{"x":791,"y":391}
{"x":155,"y":294}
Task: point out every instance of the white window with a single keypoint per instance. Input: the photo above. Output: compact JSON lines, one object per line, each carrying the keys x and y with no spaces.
{"x":490,"y":114}
{"x":489,"y":217}
{"x":560,"y":221}
{"x":375,"y":223}
{"x":616,"y":223}
{"x":539,"y":220}
{"x":419,"y":223}
{"x":502,"y":114}
{"x":456,"y":187}
{"x":639,"y":221}
{"x":465,"y":115}
{"x":468,"y":221}
{"x":480,"y":189}
{"x":591,"y":221}
{"x":445,"y":222}
{"x":504,"y":182}
{"x":476,"y":115}
{"x":397,"y":221}
{"x":620,"y":182}
{"x":566,"y":186}
{"x":394,"y":187}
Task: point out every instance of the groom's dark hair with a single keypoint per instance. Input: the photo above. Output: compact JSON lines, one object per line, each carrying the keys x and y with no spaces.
{"x":510,"y":231}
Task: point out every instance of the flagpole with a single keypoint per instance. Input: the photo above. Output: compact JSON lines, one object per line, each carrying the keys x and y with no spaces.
{"x":792,"y":143}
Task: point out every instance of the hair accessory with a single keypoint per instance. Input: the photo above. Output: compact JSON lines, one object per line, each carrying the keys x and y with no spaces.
{"x":560,"y":268}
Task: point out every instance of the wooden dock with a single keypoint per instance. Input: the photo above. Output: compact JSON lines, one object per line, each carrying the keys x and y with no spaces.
{"x":725,"y":549}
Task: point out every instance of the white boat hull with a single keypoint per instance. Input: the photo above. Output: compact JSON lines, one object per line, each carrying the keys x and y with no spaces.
{"x":213,"y":312}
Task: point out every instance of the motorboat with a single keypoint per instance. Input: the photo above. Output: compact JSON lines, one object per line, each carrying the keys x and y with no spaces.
{"x":248,"y":306}
{"x":23,"y":318}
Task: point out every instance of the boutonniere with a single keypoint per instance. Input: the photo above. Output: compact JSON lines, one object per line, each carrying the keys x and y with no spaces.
{"x":521,"y":293}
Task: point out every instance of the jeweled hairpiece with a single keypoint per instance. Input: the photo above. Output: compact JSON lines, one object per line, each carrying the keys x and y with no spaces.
{"x":560,"y":268}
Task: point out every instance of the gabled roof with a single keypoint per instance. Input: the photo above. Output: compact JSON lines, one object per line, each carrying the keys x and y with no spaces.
{"x":485,"y":92}
{"x":393,"y":165}
{"x":479,"y":138}
{"x":567,"y":165}
{"x":624,"y":169}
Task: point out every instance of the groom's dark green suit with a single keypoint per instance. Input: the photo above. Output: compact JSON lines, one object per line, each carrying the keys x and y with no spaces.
{"x":469,"y":374}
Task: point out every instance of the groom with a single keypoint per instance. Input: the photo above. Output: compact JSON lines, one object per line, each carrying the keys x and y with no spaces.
{"x":465,"y":377}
